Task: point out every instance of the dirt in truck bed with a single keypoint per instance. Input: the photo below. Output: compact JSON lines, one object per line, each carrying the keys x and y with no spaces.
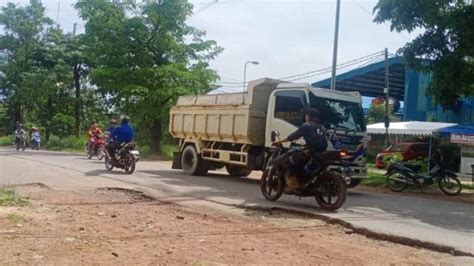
{"x":110,"y":226}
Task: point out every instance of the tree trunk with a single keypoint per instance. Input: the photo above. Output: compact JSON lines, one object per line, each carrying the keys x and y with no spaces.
{"x":155,"y":135}
{"x":77,"y":110}
{"x":48,"y":122}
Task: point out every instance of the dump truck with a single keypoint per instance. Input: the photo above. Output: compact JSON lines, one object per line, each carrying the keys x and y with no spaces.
{"x":236,"y":130}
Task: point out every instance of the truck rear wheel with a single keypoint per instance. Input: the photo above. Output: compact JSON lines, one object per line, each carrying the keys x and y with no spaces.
{"x":237,"y":170}
{"x":192,"y":163}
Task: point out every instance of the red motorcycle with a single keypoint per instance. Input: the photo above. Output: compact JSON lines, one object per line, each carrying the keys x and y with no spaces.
{"x":98,"y":148}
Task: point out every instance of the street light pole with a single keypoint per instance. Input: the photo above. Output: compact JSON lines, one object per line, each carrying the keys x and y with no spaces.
{"x":387,"y":98}
{"x":334,"y":55}
{"x":245,"y":78}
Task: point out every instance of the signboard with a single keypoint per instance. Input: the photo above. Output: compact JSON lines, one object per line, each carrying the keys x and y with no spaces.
{"x":460,"y":138}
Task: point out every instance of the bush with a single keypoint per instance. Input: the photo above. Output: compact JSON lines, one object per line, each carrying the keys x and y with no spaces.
{"x":71,"y":143}
{"x":6,"y":141}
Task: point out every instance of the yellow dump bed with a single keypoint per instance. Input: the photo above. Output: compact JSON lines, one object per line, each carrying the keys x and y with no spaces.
{"x":233,"y":118}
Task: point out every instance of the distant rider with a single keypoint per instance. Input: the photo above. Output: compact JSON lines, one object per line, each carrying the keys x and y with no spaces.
{"x":94,"y":133}
{"x":19,"y":133}
{"x":120,"y":136}
{"x":315,"y":137}
{"x":35,"y":135}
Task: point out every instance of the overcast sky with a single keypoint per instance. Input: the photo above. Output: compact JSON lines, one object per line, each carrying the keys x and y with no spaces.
{"x":287,"y":37}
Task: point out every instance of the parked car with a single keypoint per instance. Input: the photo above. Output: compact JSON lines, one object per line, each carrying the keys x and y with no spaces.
{"x":408,"y":150}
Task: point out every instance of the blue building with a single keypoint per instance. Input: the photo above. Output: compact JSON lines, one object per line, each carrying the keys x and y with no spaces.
{"x":406,"y":85}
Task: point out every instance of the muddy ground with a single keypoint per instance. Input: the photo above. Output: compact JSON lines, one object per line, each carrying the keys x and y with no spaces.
{"x":110,"y":226}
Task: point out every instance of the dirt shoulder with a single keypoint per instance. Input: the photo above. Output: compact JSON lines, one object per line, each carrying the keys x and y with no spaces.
{"x":119,"y":226}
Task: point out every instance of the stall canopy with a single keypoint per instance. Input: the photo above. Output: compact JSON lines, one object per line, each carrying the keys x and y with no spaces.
{"x":408,"y":128}
{"x":460,"y":133}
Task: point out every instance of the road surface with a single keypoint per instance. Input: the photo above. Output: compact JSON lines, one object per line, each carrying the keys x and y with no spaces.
{"x":435,"y":221}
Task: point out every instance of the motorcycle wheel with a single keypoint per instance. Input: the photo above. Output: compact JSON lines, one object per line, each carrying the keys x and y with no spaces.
{"x":108,"y":164}
{"x":331,"y":191}
{"x":395,"y":185}
{"x":450,"y":185}
{"x":271,"y":184}
{"x":100,"y":153}
{"x":130,"y":168}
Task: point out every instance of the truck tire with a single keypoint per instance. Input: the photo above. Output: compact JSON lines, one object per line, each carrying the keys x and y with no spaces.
{"x":192,"y":163}
{"x":237,"y":170}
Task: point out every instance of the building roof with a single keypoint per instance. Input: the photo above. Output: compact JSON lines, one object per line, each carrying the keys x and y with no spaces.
{"x":370,"y":80}
{"x":408,"y":128}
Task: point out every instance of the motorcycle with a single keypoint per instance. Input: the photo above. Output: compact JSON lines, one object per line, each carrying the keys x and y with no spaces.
{"x":98,"y":150}
{"x":401,"y":175}
{"x":20,"y":143}
{"x":35,"y":142}
{"x":327,"y":186}
{"x":126,"y":158}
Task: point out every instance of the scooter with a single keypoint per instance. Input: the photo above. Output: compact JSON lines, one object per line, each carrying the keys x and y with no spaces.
{"x":35,"y":142}
{"x":401,"y":175}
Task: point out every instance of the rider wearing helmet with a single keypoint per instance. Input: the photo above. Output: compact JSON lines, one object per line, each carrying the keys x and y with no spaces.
{"x":19,"y":133}
{"x":120,"y":136}
{"x":113,"y":125}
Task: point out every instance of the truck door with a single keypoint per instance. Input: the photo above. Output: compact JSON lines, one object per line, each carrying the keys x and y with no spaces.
{"x":284,"y":113}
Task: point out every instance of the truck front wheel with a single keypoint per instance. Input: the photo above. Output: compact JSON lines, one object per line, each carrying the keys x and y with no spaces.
{"x":237,"y":171}
{"x":192,"y":163}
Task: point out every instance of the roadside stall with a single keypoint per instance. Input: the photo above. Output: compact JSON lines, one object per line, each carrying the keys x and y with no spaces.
{"x":414,"y":128}
{"x":464,"y":136}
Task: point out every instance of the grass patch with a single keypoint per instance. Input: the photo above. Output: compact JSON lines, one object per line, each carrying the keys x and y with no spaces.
{"x":15,"y":218}
{"x":8,"y":197}
{"x":70,"y":143}
{"x":167,"y":151}
{"x":6,"y":141}
{"x":374,"y":180}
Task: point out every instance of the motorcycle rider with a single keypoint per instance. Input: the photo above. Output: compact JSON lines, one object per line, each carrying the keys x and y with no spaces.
{"x":315,"y":137}
{"x":19,"y":133}
{"x":94,"y":133}
{"x":120,"y":136}
{"x":112,"y":126}
{"x":35,"y":135}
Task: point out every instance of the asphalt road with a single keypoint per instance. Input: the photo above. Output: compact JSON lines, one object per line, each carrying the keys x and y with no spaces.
{"x":435,"y":221}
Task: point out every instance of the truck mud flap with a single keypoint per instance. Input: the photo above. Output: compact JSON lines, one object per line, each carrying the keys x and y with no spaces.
{"x":176,"y":161}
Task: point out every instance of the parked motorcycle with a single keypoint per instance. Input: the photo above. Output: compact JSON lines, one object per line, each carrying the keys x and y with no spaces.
{"x":20,"y":143}
{"x":35,"y":142}
{"x":126,"y":158}
{"x":328,"y":187}
{"x":98,"y":150}
{"x":401,"y":175}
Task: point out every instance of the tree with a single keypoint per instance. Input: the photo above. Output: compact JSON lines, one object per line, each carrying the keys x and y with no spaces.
{"x":23,"y":28}
{"x":376,"y":114}
{"x":145,"y":56}
{"x":446,"y":48}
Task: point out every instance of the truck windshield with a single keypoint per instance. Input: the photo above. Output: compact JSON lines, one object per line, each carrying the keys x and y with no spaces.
{"x":338,"y":114}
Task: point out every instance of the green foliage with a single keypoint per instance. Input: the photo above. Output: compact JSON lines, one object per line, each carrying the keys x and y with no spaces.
{"x":62,"y":125}
{"x":374,"y":180}
{"x":147,"y":56}
{"x":69,"y":143}
{"x":376,"y":114}
{"x":6,"y":141}
{"x":8,"y":197}
{"x":445,"y":48}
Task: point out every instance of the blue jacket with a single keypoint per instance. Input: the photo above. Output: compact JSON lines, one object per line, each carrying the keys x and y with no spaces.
{"x":123,"y":133}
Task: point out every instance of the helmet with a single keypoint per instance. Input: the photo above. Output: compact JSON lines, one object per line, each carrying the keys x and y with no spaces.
{"x":124,"y":119}
{"x":34,"y":128}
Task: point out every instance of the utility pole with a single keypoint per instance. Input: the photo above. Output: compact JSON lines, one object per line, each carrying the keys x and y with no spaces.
{"x":74,"y":29}
{"x":334,"y":55}
{"x":387,"y":97}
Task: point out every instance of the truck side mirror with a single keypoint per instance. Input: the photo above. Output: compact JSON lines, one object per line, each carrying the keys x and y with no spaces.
{"x":275,"y":134}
